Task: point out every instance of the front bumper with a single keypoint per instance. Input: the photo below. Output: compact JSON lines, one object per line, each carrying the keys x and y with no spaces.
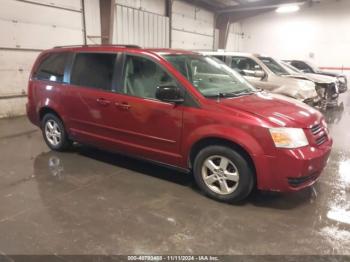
{"x":343,"y":87}
{"x":294,"y":169}
{"x":314,"y":101}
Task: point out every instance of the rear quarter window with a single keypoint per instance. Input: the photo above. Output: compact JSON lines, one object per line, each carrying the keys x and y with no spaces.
{"x":52,"y":67}
{"x":220,"y":57}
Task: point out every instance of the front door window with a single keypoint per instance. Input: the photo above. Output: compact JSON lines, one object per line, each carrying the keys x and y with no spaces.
{"x":142,"y":77}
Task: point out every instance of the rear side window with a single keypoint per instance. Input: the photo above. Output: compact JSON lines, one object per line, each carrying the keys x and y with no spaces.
{"x":52,"y":67}
{"x":93,"y":70}
{"x":302,"y":66}
{"x":220,"y":57}
{"x":244,"y":63}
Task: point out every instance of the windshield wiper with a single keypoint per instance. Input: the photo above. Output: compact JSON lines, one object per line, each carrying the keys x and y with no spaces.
{"x":222,"y":95}
{"x":242,"y":93}
{"x":230,"y":94}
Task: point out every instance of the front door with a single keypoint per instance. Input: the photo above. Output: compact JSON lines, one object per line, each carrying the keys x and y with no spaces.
{"x":142,"y":124}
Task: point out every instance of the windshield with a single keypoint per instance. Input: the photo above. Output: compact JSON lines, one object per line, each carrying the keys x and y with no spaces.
{"x":274,"y":66}
{"x":313,"y":67}
{"x":291,"y":68}
{"x":210,"y":76}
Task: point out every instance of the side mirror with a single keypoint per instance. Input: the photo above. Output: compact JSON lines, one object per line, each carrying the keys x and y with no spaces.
{"x":168,"y":93}
{"x":259,"y":74}
{"x":254,"y":73}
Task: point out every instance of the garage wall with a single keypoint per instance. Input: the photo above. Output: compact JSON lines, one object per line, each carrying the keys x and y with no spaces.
{"x":318,"y":34}
{"x":192,"y":27}
{"x":26,"y":28}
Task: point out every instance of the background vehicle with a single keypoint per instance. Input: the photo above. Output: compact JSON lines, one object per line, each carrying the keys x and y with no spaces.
{"x":308,"y":68}
{"x":180,"y":109}
{"x":265,"y":73}
{"x":327,"y":87}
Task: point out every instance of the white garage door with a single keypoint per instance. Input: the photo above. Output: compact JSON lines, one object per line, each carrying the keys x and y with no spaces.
{"x":192,"y":27}
{"x":27,"y":27}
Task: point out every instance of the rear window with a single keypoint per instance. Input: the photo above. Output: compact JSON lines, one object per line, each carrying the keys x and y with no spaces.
{"x":93,"y":70}
{"x":52,"y":67}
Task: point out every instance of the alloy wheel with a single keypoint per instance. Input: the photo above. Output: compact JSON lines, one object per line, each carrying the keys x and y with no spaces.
{"x":220,"y":175}
{"x":53,"y":132}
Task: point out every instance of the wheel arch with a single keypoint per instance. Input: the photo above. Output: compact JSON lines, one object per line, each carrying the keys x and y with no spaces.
{"x":45,"y":110}
{"x":212,"y":140}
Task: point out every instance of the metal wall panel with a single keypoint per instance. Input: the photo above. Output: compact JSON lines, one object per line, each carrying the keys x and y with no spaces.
{"x":192,"y":27}
{"x":19,"y":28}
{"x":93,"y":21}
{"x":15,"y":67}
{"x":191,"y":41}
{"x":12,"y":107}
{"x":34,"y":36}
{"x":24,"y":12}
{"x":26,"y":27}
{"x":152,"y":6}
{"x":69,"y":4}
{"x":132,"y":26}
{"x":235,"y":38}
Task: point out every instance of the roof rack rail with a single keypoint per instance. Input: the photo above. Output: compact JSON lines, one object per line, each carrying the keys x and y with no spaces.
{"x":112,"y":45}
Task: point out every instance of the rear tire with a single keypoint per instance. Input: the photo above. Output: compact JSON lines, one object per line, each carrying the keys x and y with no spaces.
{"x":223,"y":174}
{"x":54,"y":133}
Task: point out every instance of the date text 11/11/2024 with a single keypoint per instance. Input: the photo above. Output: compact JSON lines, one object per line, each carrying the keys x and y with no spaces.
{"x":172,"y":258}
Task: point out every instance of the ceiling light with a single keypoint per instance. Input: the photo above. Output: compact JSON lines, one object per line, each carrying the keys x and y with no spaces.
{"x":287,"y":9}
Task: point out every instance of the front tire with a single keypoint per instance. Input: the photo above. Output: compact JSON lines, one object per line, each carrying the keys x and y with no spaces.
{"x":54,"y":133}
{"x":223,"y":174}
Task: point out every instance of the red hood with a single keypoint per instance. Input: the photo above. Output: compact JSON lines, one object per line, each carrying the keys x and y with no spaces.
{"x":277,"y":109}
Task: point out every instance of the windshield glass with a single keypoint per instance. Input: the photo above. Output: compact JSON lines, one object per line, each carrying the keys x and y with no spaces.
{"x":274,"y":66}
{"x":313,"y":67}
{"x":291,"y":68}
{"x":210,"y":76}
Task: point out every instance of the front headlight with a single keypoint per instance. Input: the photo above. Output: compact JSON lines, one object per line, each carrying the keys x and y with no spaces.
{"x":342,"y":79}
{"x":321,"y":91}
{"x":286,"y":137}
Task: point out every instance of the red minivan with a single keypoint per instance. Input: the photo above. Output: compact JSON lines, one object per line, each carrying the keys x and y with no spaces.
{"x":181,"y":109}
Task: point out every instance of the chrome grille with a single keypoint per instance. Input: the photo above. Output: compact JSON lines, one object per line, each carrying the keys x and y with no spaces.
{"x":316,"y":129}
{"x":319,"y":133}
{"x":321,"y":139}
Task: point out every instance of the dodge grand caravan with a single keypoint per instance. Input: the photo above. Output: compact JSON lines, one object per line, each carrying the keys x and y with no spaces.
{"x":181,"y":109}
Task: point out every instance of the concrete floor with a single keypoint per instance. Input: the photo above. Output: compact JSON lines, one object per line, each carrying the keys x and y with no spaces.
{"x":91,"y":202}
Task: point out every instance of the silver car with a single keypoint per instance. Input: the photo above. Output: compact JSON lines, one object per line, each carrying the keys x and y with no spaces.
{"x":308,"y":68}
{"x":327,"y":87}
{"x":266,"y":73}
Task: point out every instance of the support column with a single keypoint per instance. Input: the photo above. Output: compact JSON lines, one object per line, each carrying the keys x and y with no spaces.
{"x":223,"y":24}
{"x":107,"y":8}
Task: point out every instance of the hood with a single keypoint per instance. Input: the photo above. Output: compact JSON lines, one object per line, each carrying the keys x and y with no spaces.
{"x":321,"y":79}
{"x":300,"y":89}
{"x":330,"y":73}
{"x":277,"y":109}
{"x":316,"y":78}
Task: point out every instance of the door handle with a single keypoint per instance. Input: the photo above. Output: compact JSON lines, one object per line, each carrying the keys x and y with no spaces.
{"x":124,"y":106}
{"x":103,"y":101}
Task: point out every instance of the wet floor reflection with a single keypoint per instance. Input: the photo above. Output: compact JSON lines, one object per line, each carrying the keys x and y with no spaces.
{"x":318,"y":212}
{"x":337,"y":216}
